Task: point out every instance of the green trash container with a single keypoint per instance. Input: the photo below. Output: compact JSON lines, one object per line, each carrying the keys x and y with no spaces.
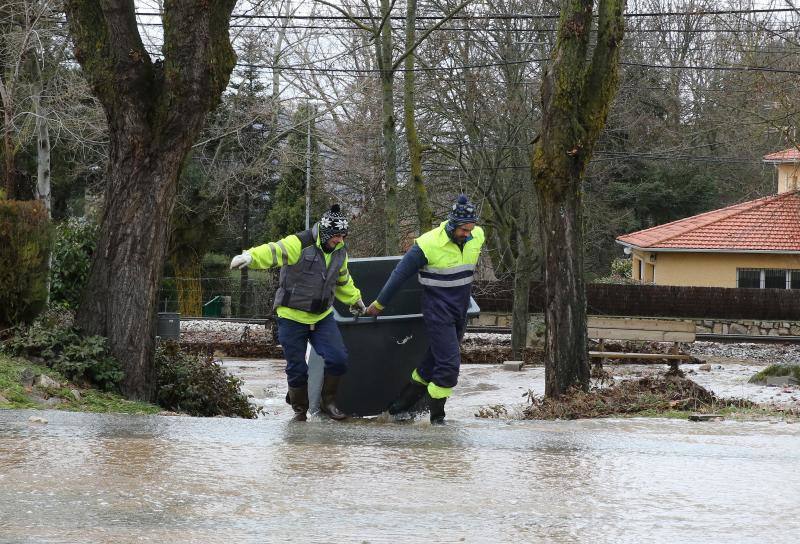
{"x":213,"y":308}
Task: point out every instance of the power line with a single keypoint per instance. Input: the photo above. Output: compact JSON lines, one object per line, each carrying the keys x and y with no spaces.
{"x":498,"y":16}
{"x":628,"y":31}
{"x":306,"y":68}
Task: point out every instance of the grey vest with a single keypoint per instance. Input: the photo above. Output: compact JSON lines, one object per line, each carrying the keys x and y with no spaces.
{"x":308,"y":284}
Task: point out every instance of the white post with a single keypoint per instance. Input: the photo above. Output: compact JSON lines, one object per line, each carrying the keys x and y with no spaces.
{"x":308,"y":170}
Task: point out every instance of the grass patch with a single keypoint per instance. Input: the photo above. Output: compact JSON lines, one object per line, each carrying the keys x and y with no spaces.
{"x":777,"y":370}
{"x":92,"y":400}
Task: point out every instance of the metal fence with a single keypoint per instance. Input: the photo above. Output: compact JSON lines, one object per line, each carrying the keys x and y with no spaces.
{"x":251,"y":297}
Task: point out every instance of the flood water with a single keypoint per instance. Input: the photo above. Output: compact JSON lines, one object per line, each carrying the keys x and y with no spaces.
{"x":116,"y":478}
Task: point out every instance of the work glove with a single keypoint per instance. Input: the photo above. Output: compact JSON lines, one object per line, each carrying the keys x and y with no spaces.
{"x":358,"y":309}
{"x":373,"y":310}
{"x":241,"y":261}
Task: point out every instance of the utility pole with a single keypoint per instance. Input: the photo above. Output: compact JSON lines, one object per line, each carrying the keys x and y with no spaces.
{"x":308,"y":168}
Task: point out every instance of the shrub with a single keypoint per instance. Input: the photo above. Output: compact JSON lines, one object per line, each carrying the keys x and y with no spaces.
{"x":621,"y":272}
{"x":215,"y":265}
{"x":622,"y":268}
{"x":198,"y":385}
{"x":62,"y":348}
{"x":74,"y":244}
{"x":24,"y":248}
{"x":792,"y":370}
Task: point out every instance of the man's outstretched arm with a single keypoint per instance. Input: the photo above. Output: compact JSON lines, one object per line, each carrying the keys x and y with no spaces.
{"x":410,"y":264}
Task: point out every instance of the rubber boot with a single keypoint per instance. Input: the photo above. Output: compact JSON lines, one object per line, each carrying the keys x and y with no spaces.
{"x":409,"y":396}
{"x":327,"y":403}
{"x":437,"y":410}
{"x":297,"y":397}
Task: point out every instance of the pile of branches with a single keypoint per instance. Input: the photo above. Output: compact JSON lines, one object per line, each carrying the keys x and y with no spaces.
{"x":649,"y":394}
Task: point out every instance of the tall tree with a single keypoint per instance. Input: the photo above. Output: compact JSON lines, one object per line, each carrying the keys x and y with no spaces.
{"x":288,"y":211}
{"x":154,"y":110}
{"x":21,"y":35}
{"x":381,"y":34}
{"x":577,"y":91}
{"x":415,"y":147}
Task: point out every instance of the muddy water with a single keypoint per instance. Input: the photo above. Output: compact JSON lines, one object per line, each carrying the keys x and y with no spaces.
{"x":111,"y":478}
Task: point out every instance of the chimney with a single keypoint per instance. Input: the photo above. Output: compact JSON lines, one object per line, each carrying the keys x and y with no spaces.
{"x":787,"y":163}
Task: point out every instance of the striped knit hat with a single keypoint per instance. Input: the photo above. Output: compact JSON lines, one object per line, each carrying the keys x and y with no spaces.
{"x":463,"y":212}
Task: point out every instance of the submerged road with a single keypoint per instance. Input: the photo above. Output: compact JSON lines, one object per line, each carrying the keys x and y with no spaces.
{"x":122,"y":479}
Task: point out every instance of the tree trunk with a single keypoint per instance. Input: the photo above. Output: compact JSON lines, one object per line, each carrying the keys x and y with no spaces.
{"x":9,"y":181}
{"x":42,"y":151}
{"x":122,"y":291}
{"x":520,"y":315}
{"x":424,"y":213}
{"x":154,"y":112}
{"x":392,"y":236}
{"x":188,"y":270}
{"x":566,"y":357}
{"x":525,"y":267}
{"x":576,"y":96}
{"x":244,"y":275}
{"x":42,"y":143}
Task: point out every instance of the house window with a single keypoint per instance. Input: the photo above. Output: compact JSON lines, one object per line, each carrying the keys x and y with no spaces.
{"x":637,"y":269}
{"x":767,"y":278}
{"x":775,"y":279}
{"x":748,"y":278}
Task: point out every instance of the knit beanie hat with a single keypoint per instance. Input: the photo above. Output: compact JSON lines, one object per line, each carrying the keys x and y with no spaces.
{"x":331,"y":223}
{"x":463,"y":212}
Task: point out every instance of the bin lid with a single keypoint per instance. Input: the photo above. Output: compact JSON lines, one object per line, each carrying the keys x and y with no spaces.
{"x":369,"y":275}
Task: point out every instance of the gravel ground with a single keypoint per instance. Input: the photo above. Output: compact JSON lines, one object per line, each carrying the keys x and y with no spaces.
{"x":761,"y":353}
{"x":206,"y":330}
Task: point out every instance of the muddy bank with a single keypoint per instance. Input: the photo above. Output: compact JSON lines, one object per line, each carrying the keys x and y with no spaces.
{"x":226,"y":339}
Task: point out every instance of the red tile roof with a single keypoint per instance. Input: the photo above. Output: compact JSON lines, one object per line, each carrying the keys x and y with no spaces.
{"x":787,"y":155}
{"x":768,"y":224}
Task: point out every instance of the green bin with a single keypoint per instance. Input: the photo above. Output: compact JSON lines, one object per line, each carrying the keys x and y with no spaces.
{"x":213,"y":308}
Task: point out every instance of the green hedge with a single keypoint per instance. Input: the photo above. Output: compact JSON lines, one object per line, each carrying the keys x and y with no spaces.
{"x":25,"y":238}
{"x":74,"y":244}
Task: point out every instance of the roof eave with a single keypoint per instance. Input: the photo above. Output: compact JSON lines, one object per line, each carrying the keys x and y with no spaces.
{"x":696,"y":250}
{"x":781,"y":161}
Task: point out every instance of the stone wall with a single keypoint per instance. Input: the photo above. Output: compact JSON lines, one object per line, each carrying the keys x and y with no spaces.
{"x":503,"y":319}
{"x":753,"y":327}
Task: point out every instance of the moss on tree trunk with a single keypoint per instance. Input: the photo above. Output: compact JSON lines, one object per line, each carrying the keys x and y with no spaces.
{"x":576,"y":96}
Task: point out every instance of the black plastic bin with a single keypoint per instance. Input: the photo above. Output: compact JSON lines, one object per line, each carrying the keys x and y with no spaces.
{"x":169,"y":325}
{"x":383,"y":351}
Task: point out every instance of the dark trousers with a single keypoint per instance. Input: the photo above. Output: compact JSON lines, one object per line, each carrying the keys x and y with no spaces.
{"x":443,"y":358}
{"x":326,"y":340}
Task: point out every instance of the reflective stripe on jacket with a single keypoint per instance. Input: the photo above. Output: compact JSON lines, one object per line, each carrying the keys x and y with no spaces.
{"x":447,"y":276}
{"x":310,"y":278}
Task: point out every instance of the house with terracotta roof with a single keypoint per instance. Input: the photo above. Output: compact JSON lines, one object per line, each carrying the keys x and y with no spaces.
{"x":754,"y":244}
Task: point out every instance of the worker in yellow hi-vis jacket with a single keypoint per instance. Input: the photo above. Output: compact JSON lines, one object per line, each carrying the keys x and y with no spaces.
{"x":313,"y":271}
{"x":444,"y":259}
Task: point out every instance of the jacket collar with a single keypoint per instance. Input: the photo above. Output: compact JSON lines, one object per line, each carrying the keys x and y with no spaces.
{"x":443,"y":237}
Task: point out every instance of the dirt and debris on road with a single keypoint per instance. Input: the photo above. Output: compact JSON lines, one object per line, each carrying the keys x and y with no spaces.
{"x":721,"y":369}
{"x":661,"y":393}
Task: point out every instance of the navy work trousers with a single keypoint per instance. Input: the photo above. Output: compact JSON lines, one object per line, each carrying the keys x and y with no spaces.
{"x":326,"y":340}
{"x":443,"y":358}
